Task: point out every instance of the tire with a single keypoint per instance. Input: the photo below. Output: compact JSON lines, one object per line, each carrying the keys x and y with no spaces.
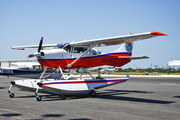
{"x":92,"y":93}
{"x":38,"y":98}
{"x":11,"y":95}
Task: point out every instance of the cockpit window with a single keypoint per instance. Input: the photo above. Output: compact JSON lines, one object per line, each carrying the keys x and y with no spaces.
{"x":67,"y":48}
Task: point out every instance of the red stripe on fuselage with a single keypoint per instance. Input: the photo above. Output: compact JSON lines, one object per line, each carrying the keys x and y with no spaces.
{"x":86,"y":62}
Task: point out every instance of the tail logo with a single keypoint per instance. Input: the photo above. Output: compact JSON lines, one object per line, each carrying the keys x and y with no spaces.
{"x":129,"y":46}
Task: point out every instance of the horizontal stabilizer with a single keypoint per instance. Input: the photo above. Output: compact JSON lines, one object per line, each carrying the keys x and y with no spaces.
{"x":135,"y":57}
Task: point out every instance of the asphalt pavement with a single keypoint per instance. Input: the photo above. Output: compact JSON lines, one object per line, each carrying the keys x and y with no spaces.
{"x":140,"y":98}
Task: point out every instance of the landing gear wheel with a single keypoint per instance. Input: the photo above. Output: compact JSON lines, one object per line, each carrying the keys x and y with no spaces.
{"x":11,"y":95}
{"x":68,"y":98}
{"x":38,"y":98}
{"x":92,"y":93}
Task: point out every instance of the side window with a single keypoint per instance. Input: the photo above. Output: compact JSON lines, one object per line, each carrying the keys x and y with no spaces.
{"x":94,"y":52}
{"x":81,"y":50}
{"x":78,"y":50}
{"x":75,"y":50}
{"x":89,"y":52}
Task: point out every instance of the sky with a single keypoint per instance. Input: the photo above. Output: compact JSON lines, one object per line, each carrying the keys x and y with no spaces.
{"x":24,"y":22}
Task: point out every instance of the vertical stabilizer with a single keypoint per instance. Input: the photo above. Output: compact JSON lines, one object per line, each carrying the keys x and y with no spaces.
{"x":127,"y":75}
{"x":125,"y":47}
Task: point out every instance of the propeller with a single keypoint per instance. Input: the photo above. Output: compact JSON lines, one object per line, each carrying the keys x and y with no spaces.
{"x":38,"y":54}
{"x":40,"y":45}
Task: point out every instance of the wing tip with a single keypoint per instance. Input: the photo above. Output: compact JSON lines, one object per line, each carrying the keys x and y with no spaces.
{"x":17,"y":48}
{"x":158,"y":33}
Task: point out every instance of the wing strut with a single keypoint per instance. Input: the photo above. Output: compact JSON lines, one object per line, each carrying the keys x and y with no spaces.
{"x":43,"y":73}
{"x":70,"y":65}
{"x":61,"y":72}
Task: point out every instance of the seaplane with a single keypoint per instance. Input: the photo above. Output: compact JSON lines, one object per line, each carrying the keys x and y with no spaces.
{"x":78,"y":56}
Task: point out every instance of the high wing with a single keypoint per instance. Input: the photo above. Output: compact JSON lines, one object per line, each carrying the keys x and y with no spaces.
{"x":118,"y":39}
{"x":48,"y":46}
{"x":100,"y":42}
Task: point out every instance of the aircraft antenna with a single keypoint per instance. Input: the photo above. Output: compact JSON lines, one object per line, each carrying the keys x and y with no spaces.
{"x":84,"y":39}
{"x":72,"y":40}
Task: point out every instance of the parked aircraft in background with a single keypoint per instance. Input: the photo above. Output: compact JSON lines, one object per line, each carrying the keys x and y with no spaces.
{"x":26,"y":69}
{"x":174,"y":63}
{"x":107,"y":70}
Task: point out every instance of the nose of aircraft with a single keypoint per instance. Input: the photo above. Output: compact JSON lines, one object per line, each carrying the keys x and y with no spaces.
{"x":38,"y":53}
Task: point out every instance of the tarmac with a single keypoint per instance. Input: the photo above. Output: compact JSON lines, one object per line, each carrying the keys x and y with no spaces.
{"x":140,"y":98}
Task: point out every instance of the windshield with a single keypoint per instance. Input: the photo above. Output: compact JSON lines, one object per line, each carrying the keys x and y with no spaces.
{"x":60,"y":45}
